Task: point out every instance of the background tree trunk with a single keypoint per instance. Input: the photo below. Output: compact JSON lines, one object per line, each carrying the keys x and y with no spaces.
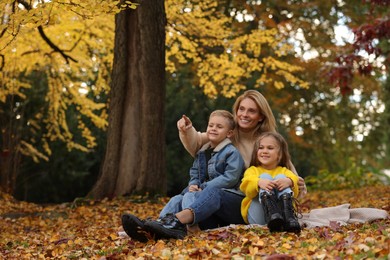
{"x":135,"y":152}
{"x":10,"y":156}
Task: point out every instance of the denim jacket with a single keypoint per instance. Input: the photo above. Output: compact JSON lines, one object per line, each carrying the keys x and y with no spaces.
{"x":225,"y":167}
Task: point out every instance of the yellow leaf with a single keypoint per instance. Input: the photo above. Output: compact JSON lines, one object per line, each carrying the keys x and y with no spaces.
{"x":113,"y":236}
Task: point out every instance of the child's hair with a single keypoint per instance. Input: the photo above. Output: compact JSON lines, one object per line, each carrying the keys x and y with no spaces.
{"x":226,"y":114}
{"x":284,"y":155}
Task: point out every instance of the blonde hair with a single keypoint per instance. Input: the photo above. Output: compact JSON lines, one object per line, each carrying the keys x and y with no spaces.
{"x":268,"y":124}
{"x":284,"y":155}
{"x":226,"y":114}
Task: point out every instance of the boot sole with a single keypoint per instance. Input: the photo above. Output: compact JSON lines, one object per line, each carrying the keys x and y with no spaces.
{"x":134,"y":227}
{"x":293,"y":229}
{"x":276,"y":223}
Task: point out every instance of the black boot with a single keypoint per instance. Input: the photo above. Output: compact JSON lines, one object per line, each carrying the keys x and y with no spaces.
{"x":168,"y":226}
{"x":134,"y":227}
{"x":290,"y":218}
{"x":273,"y":214}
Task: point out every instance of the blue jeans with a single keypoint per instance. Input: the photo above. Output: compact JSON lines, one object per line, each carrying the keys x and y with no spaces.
{"x":256,"y":212}
{"x":189,"y":198}
{"x":215,"y":207}
{"x":174,"y":205}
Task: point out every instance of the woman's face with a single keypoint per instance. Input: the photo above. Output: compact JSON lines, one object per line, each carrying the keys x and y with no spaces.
{"x":248,"y":115}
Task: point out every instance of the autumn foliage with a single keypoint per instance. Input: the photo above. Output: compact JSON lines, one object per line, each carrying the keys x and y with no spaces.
{"x":89,"y":230}
{"x":367,"y":40}
{"x":56,"y":61}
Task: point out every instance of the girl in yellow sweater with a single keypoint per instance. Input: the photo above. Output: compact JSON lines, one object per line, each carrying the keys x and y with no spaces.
{"x":269,"y":186}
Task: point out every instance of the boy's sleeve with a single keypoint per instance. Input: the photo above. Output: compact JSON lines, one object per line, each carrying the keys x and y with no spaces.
{"x":194,"y":174}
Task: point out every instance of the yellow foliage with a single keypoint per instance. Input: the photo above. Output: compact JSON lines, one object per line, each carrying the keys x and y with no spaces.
{"x":29,"y":150}
{"x":223,"y":55}
{"x":77,"y":72}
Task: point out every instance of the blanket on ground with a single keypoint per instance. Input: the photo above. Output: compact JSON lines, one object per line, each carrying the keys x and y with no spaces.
{"x":341,"y":214}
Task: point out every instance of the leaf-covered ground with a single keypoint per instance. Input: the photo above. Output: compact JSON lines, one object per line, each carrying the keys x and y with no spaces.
{"x":89,"y":230}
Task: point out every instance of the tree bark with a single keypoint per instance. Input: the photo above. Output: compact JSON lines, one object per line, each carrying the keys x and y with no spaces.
{"x":135,"y":154}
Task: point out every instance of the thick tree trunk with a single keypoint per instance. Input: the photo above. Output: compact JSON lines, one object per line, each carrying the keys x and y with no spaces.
{"x":135,"y":155}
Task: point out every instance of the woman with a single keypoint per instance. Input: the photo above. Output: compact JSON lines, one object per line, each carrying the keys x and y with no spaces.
{"x":214,"y":207}
{"x":253,"y":115}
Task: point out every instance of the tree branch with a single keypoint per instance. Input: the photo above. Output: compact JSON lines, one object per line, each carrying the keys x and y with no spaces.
{"x":53,"y":46}
{"x":2,"y":62}
{"x":46,"y":39}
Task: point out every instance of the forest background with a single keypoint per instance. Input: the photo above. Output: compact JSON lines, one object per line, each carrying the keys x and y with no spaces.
{"x":322,"y":65}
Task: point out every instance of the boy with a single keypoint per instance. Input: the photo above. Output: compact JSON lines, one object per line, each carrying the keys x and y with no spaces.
{"x":218,"y":164}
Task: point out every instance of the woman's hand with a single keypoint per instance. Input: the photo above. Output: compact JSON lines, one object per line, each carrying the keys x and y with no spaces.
{"x":302,"y":187}
{"x":184,"y":123}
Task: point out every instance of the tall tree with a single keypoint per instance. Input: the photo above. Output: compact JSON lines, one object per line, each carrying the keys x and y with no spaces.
{"x":200,"y":35}
{"x":71,"y":53}
{"x":135,"y":156}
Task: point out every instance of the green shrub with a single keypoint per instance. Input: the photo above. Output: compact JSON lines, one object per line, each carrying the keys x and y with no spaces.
{"x":353,"y":177}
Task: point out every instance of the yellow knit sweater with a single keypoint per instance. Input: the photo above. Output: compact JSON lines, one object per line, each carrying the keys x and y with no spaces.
{"x":250,"y":185}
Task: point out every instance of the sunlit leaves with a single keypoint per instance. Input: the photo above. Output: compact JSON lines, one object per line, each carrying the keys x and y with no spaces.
{"x":29,"y":150}
{"x":89,"y":229}
{"x":225,"y":56}
{"x":72,"y":42}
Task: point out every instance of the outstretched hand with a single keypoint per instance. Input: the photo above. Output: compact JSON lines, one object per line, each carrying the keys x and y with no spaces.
{"x":184,"y":123}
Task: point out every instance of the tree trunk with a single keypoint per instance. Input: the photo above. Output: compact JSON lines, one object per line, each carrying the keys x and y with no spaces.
{"x":10,"y":156}
{"x":135,"y":154}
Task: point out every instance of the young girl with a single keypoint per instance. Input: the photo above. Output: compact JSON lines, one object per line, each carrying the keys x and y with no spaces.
{"x":269,"y":186}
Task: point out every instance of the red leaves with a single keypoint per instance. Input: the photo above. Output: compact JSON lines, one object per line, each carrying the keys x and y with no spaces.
{"x":367,"y":33}
{"x":378,"y":2}
{"x":341,"y":76}
{"x":366,"y":39}
{"x":218,"y":235}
